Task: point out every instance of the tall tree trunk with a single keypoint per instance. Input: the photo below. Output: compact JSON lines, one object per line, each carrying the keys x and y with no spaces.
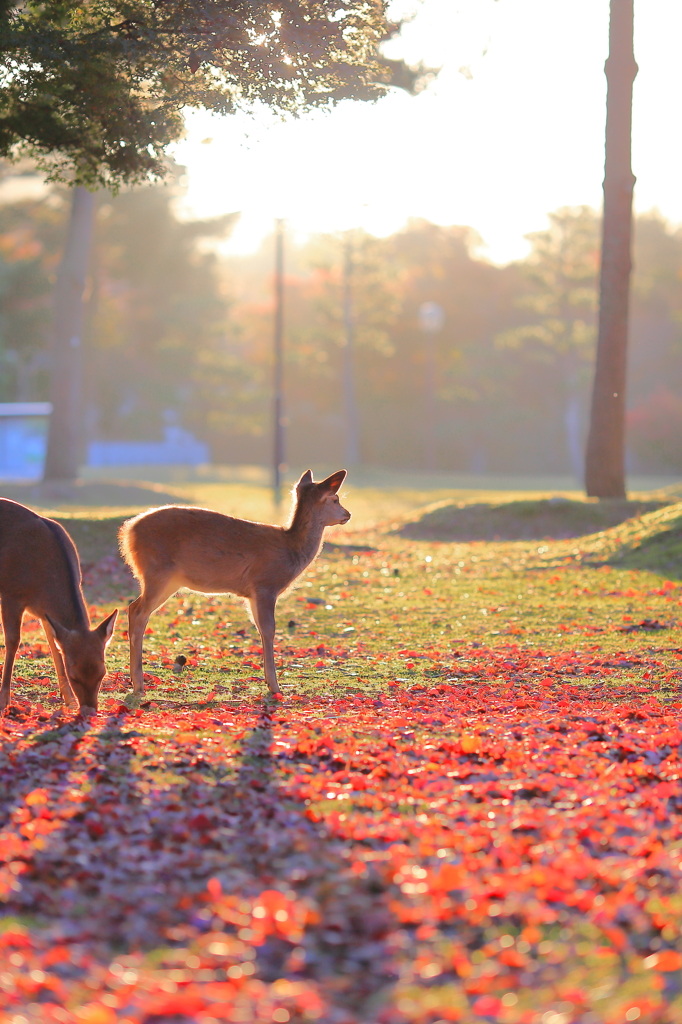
{"x":605,"y":455}
{"x":64,"y":441}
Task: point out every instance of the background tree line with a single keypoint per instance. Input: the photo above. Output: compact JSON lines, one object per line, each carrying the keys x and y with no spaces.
{"x":514,"y":360}
{"x":174,"y":331}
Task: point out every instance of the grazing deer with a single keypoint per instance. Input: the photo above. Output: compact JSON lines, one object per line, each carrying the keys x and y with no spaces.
{"x":173,"y":547}
{"x":40,"y":573}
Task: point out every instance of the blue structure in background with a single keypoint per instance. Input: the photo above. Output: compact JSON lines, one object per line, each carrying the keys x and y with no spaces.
{"x":23,"y":439}
{"x":179,"y":448}
{"x":23,"y":445}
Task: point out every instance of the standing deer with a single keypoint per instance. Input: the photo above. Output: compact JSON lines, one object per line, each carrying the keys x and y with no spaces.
{"x":173,"y":547}
{"x":40,"y":573}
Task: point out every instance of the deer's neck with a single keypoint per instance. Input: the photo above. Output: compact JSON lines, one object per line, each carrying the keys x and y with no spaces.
{"x":304,"y":536}
{"x":63,"y":593}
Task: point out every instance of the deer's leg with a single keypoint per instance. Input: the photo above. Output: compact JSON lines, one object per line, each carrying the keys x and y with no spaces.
{"x":154,"y":594}
{"x":67,"y":693}
{"x":11,"y":627}
{"x":263,"y":611}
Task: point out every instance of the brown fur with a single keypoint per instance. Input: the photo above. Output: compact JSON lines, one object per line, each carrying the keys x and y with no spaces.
{"x":173,"y":547}
{"x":40,"y":573}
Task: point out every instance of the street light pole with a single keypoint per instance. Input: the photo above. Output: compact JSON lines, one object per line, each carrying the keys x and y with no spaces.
{"x":431,"y":320}
{"x":349,"y":399}
{"x":278,"y":368}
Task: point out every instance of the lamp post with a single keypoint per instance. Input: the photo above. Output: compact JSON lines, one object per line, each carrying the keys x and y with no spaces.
{"x":349,"y":399}
{"x":431,"y":320}
{"x":278,"y":367}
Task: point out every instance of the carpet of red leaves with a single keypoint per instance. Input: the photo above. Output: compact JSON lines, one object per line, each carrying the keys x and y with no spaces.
{"x":507,"y":849}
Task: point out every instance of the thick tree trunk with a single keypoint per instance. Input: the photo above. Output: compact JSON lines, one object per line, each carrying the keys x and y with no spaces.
{"x":64,"y":441}
{"x":605,"y":456}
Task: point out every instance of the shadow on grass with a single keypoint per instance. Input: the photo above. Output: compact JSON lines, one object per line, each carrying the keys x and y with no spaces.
{"x":651,"y":543}
{"x":537,"y":519}
{"x":659,"y":552}
{"x":132,"y":827}
{"x":123,"y":494}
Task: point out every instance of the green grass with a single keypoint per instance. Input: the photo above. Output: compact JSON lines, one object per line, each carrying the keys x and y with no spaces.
{"x":399,"y":620}
{"x":522,"y":519}
{"x":378,"y":592}
{"x":652,"y":542}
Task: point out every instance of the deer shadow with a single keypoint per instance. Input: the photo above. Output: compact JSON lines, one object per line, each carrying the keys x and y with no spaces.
{"x":136,"y":828}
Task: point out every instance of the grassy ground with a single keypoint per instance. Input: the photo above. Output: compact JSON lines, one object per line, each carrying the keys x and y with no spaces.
{"x":467,"y":807}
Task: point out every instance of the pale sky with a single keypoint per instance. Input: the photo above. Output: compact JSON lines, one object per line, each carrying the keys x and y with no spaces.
{"x":519,"y":133}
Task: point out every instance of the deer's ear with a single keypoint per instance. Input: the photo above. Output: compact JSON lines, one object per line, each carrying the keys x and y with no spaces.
{"x":106,"y":628}
{"x":333,"y":482}
{"x":306,"y":479}
{"x":61,"y":633}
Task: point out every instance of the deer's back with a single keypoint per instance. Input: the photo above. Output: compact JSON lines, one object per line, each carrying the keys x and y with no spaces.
{"x":39,"y":565}
{"x":208,"y":551}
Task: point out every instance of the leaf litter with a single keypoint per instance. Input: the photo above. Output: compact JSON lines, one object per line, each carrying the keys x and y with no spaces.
{"x":473,"y":823}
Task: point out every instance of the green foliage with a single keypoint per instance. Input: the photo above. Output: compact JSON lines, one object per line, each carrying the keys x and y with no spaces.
{"x":157,"y":317}
{"x":30,"y":235}
{"x":513,"y":360}
{"x":391,"y":278}
{"x":562,"y":271}
{"x":171,"y":326}
{"x":155,"y":310}
{"x":95,"y":91}
{"x":655,"y":410}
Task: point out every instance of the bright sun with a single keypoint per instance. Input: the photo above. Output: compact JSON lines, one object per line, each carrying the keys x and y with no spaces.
{"x":512,"y":128}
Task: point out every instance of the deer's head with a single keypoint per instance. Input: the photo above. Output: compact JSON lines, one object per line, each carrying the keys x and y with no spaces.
{"x":322,"y":498}
{"x":83,"y":653}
